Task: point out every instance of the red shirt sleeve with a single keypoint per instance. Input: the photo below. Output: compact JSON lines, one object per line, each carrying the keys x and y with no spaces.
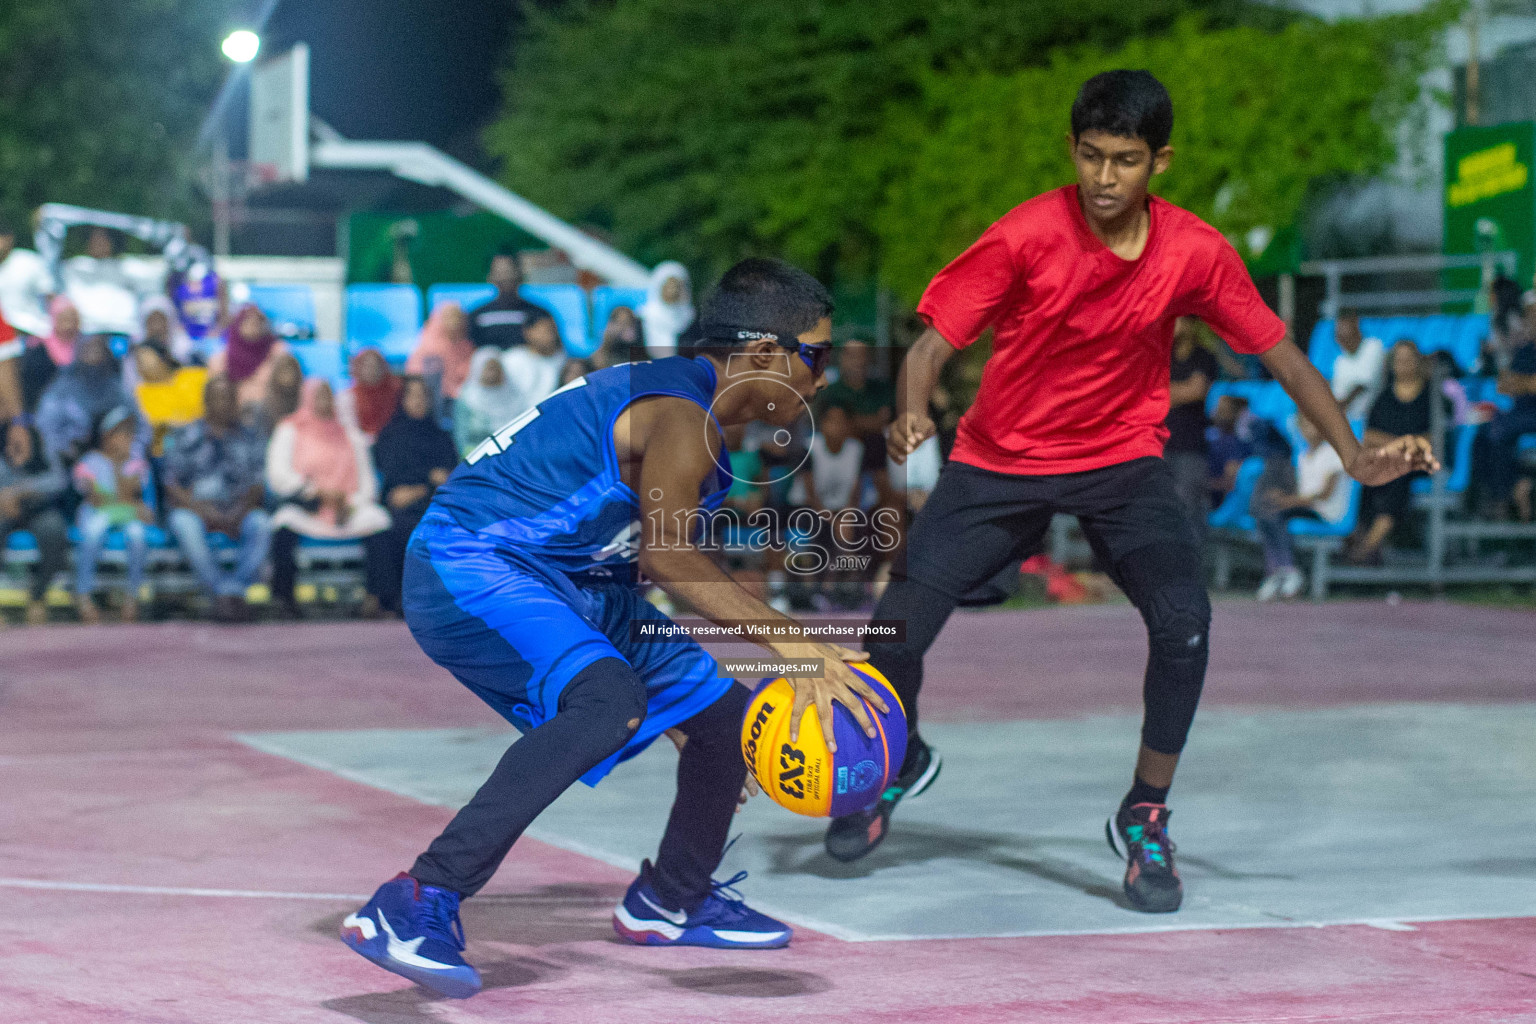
{"x":963,"y":299}
{"x":1230,"y":304}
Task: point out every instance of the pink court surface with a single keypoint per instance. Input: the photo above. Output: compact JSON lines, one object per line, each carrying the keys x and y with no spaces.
{"x":189,"y":811}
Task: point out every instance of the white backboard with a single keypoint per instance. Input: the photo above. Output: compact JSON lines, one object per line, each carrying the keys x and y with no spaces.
{"x":279,"y":136}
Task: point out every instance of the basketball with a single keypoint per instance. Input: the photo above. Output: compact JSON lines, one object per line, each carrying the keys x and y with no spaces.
{"x":805,"y":776}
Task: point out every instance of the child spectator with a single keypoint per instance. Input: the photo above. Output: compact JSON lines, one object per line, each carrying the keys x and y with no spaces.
{"x":487,"y":403}
{"x":534,"y":368}
{"x":31,"y":484}
{"x":322,"y":473}
{"x":251,"y":349}
{"x":168,"y":394}
{"x":414,"y":457}
{"x":444,"y":351}
{"x":212,"y":476}
{"x":374,"y":396}
{"x":115,"y":486}
{"x":1316,"y":487}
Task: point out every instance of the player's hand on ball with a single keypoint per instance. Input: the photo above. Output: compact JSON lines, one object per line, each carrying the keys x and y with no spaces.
{"x":840,"y":684}
{"x":748,"y":791}
{"x":1379,"y":465}
{"x":905,"y":433}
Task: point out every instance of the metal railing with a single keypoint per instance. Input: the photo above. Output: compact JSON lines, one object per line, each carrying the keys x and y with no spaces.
{"x":1334,"y":272}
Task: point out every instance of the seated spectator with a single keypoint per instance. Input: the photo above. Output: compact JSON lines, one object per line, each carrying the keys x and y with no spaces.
{"x":829,"y":484}
{"x":25,"y":286}
{"x":500,"y":322}
{"x":869,"y":404}
{"x":285,"y":387}
{"x":100,"y":286}
{"x":1402,"y":408}
{"x":322,"y":474}
{"x":414,"y":457}
{"x":374,"y":396}
{"x":46,"y":355}
{"x":1315,"y":487}
{"x":212,"y":478}
{"x":251,"y":351}
{"x":1358,"y":369}
{"x":534,"y":368}
{"x":668,"y":309}
{"x":1186,"y":451}
{"x":1497,"y":446}
{"x":1229,"y":442}
{"x":201,"y":300}
{"x":168,"y":394}
{"x":621,"y":340}
{"x":83,"y":392}
{"x":160,"y":324}
{"x":115,"y":488}
{"x":444,"y":351}
{"x":31,"y":484}
{"x":487,"y":403}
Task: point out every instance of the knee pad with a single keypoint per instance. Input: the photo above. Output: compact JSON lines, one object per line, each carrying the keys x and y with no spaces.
{"x":1178,"y":620}
{"x":609,"y":692}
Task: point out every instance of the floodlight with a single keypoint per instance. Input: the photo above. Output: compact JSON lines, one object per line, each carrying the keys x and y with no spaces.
{"x":241,"y":46}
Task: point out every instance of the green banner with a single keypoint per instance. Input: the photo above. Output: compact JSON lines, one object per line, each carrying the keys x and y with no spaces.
{"x":441,"y":247}
{"x":1490,"y":196}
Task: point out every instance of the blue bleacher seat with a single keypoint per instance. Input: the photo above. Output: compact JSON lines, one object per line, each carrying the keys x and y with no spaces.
{"x":321,"y":359}
{"x":1232,"y":513}
{"x":385,"y":316}
{"x":1459,"y":461}
{"x":21,"y":540}
{"x":606,"y":298}
{"x":466,"y":295}
{"x":568,"y":304}
{"x":1343,"y":528}
{"x":289,"y":307}
{"x":1459,"y":334}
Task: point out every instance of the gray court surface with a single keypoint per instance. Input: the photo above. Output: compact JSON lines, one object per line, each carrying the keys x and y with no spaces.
{"x":1382,"y":815}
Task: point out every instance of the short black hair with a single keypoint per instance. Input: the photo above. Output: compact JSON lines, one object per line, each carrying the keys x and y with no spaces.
{"x":1129,"y":104}
{"x":761,"y":294}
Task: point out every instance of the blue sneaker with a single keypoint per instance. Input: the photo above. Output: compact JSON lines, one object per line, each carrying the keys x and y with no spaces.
{"x":414,"y":930}
{"x":723,"y":920}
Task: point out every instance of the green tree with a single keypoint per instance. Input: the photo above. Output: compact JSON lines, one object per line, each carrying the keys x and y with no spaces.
{"x":100,"y":102}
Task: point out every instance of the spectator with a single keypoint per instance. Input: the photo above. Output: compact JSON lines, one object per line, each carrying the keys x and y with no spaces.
{"x":323,"y":475}
{"x":168,"y":394}
{"x":1229,"y":442}
{"x":443,"y":352}
{"x":1358,"y":368}
{"x":25,"y":285}
{"x":1315,"y":487}
{"x":83,"y":392}
{"x":1401,"y":408}
{"x":46,"y":355}
{"x":280,"y":400}
{"x":373,"y":397}
{"x":212,"y":476}
{"x":869,"y":403}
{"x":414,"y":457}
{"x":159,"y":323}
{"x":1186,"y":451}
{"x":668,"y":309}
{"x":100,"y":287}
{"x":487,"y":403}
{"x":534,"y":369}
{"x":251,"y":349}
{"x":829,"y":485}
{"x":500,"y":322}
{"x":31,"y":484}
{"x":1497,"y":447}
{"x":201,"y":300}
{"x":621,"y":340}
{"x":115,"y":486}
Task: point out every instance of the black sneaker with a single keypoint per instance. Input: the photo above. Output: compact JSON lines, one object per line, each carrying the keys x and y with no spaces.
{"x":1139,"y":833}
{"x":853,"y":835}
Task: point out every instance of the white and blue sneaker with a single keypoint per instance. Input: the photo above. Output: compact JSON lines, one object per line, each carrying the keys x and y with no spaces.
{"x":414,"y":930}
{"x":723,"y":920}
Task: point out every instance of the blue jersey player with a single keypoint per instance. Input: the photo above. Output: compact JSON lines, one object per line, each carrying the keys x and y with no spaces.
{"x":521,"y":581}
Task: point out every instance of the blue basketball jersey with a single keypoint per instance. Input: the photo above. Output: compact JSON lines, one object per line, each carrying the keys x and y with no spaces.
{"x":546,"y":487}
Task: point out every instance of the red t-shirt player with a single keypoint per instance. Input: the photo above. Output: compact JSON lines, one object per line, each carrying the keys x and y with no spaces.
{"x":1081,"y":287}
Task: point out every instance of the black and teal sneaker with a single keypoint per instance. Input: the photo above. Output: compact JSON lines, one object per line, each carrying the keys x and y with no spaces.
{"x":853,"y":835}
{"x":1139,"y":833}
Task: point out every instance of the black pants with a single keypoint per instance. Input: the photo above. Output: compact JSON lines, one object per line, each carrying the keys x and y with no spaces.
{"x":598,"y":711}
{"x":977,"y":522}
{"x":376,"y":570}
{"x":47,"y":527}
{"x":385,"y":552}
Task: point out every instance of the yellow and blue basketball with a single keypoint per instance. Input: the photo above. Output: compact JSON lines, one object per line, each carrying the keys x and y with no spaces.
{"x":805,"y":776}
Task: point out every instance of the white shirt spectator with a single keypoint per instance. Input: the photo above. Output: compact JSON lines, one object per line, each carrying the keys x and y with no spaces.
{"x":835,"y":474}
{"x":25,"y":286}
{"x":1313,"y":468}
{"x":1366,"y":366}
{"x":104,"y":293}
{"x":535,"y":377}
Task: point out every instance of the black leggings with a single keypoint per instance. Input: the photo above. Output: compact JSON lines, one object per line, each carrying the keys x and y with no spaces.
{"x":598,"y":712}
{"x":381,"y":576}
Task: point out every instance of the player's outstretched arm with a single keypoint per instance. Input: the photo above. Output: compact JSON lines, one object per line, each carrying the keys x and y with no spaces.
{"x":914,"y":386}
{"x":1372,"y":465}
{"x":672,"y":441}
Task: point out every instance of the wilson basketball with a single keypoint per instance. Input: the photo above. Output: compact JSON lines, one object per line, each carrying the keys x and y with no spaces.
{"x":805,"y":776}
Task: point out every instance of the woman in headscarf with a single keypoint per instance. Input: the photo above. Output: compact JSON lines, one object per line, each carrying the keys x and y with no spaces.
{"x":444,"y":351}
{"x":322,"y":473}
{"x":250,"y":348}
{"x":47,"y":355}
{"x":668,"y":308}
{"x":82,"y":393}
{"x":488,"y":402}
{"x":159,"y":323}
{"x":374,"y":396}
{"x":621,"y":340}
{"x":414,"y":457}
{"x":281,"y":399}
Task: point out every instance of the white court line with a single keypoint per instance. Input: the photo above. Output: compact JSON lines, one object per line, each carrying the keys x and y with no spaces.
{"x":166,"y":890}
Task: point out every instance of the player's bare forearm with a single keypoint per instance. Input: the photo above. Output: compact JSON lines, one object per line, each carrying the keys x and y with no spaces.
{"x":1290,"y":366}
{"x":920,"y":371}
{"x":692,"y":577}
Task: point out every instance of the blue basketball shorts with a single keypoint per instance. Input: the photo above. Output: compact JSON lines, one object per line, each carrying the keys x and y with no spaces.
{"x":517,"y":636}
